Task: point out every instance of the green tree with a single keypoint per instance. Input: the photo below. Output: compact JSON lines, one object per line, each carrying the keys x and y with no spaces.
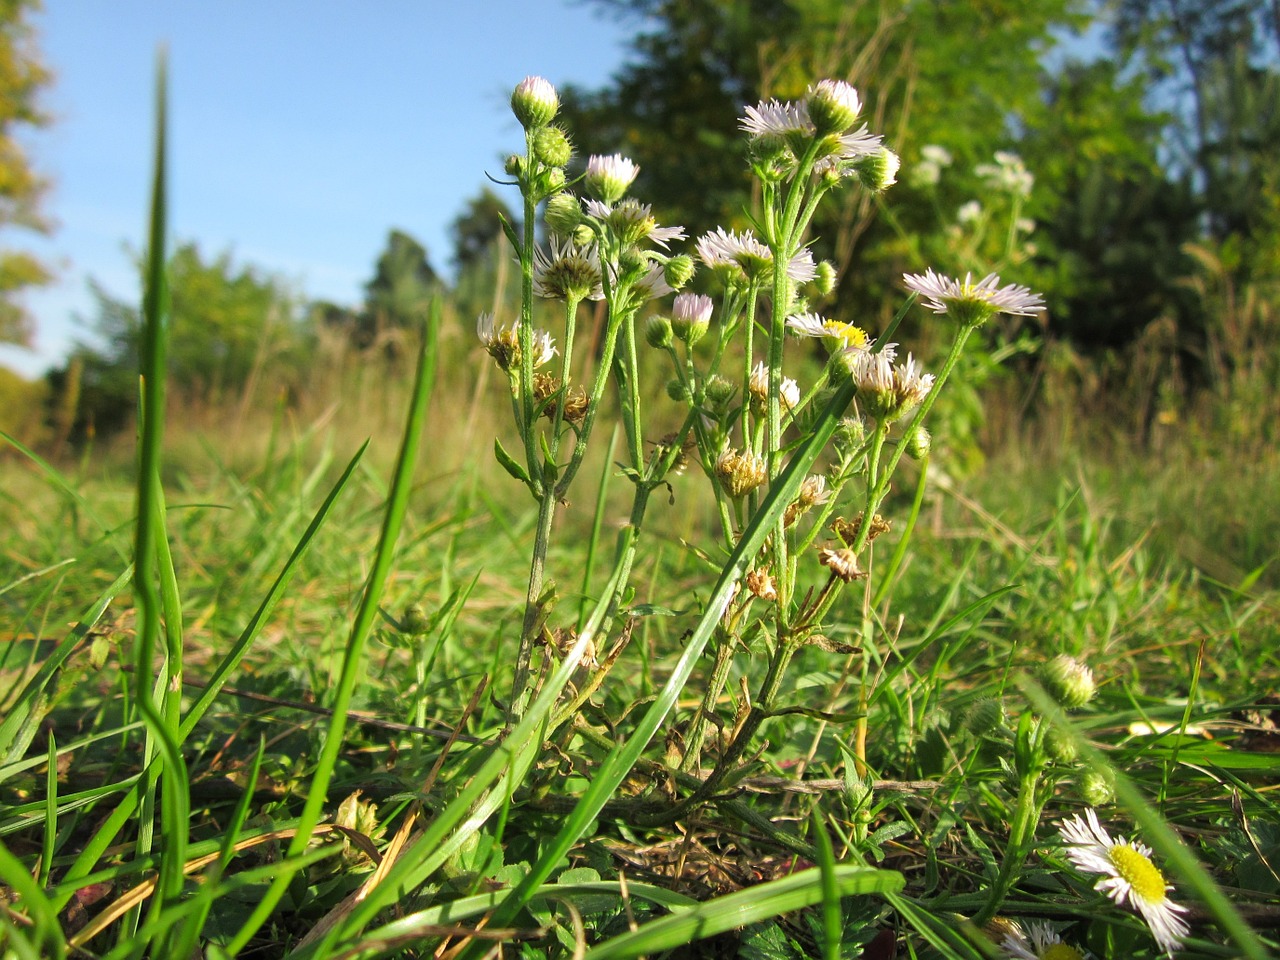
{"x":22,"y":77}
{"x":232,"y":326}
{"x":397,"y":297}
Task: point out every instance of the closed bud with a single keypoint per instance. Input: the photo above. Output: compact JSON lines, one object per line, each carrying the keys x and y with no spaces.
{"x":534,"y":102}
{"x":824,"y":279}
{"x":984,"y":717}
{"x":718,"y":390}
{"x":657,"y":332}
{"x":919,"y":443}
{"x":514,"y":165}
{"x":552,"y":147}
{"x":1068,"y":681}
{"x":563,"y":214}
{"x":879,"y":171}
{"x":677,"y":391}
{"x":1097,"y":788}
{"x":1060,"y":746}
{"x":678,"y":271}
{"x":691,"y":316}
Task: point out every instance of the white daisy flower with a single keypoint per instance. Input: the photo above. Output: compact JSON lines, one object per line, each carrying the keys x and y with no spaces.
{"x":1038,"y":941}
{"x":566,"y":271}
{"x":607,"y":178}
{"x":973,"y":303}
{"x":776,"y":118}
{"x":1128,"y":876}
{"x":836,"y":335}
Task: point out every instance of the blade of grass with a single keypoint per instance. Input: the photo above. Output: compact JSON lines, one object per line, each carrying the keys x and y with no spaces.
{"x":106,"y":834}
{"x":752,"y":905}
{"x":366,"y":616}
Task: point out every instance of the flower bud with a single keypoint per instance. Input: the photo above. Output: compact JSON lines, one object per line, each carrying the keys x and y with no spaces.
{"x":833,"y":106}
{"x":1068,"y":681}
{"x":678,"y":271}
{"x":984,"y":716}
{"x":1060,"y":747}
{"x":607,"y":178}
{"x":879,"y":171}
{"x":514,"y":165}
{"x":563,"y":214}
{"x":718,"y":390}
{"x":691,"y":316}
{"x":1096,"y":788}
{"x":677,"y":391}
{"x":657,"y":332}
{"x":919,"y":443}
{"x":824,"y":279}
{"x":534,"y":102}
{"x":552,"y":147}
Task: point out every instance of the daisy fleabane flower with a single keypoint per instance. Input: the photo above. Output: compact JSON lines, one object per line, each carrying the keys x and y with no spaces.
{"x":1038,"y":941}
{"x":1128,"y":876}
{"x":726,"y":249}
{"x":776,"y":118}
{"x":836,"y":335}
{"x":971,"y":303}
{"x":607,"y":178}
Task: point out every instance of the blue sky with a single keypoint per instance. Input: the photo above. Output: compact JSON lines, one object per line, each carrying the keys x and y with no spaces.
{"x":301,"y":131}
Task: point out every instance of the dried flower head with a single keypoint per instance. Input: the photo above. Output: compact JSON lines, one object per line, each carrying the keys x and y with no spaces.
{"x":842,"y":562}
{"x":1128,"y":876}
{"x":847,"y":530}
{"x":886,"y":391}
{"x":503,"y":343}
{"x":740,"y":472}
{"x":760,"y":583}
{"x":758,"y":384}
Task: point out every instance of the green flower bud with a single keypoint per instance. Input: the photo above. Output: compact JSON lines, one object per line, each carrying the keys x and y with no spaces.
{"x":984,"y":716}
{"x":1068,"y":681}
{"x":678,"y":271}
{"x":534,"y":102}
{"x":414,"y":620}
{"x":563,"y":214}
{"x":584,"y":236}
{"x":552,"y":147}
{"x":918,"y":443}
{"x":657,"y":332}
{"x":718,"y":390}
{"x":1060,"y":746}
{"x":514,"y":165}
{"x":677,"y":391}
{"x":824,"y":281}
{"x":879,"y":171}
{"x":1096,"y":788}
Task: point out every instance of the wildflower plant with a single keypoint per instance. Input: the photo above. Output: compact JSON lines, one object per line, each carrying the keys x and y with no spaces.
{"x":748,"y":420}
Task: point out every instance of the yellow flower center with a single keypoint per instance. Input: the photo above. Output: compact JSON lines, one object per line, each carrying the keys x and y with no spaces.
{"x":1061,"y":951}
{"x":840,"y":335}
{"x":1143,"y":876}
